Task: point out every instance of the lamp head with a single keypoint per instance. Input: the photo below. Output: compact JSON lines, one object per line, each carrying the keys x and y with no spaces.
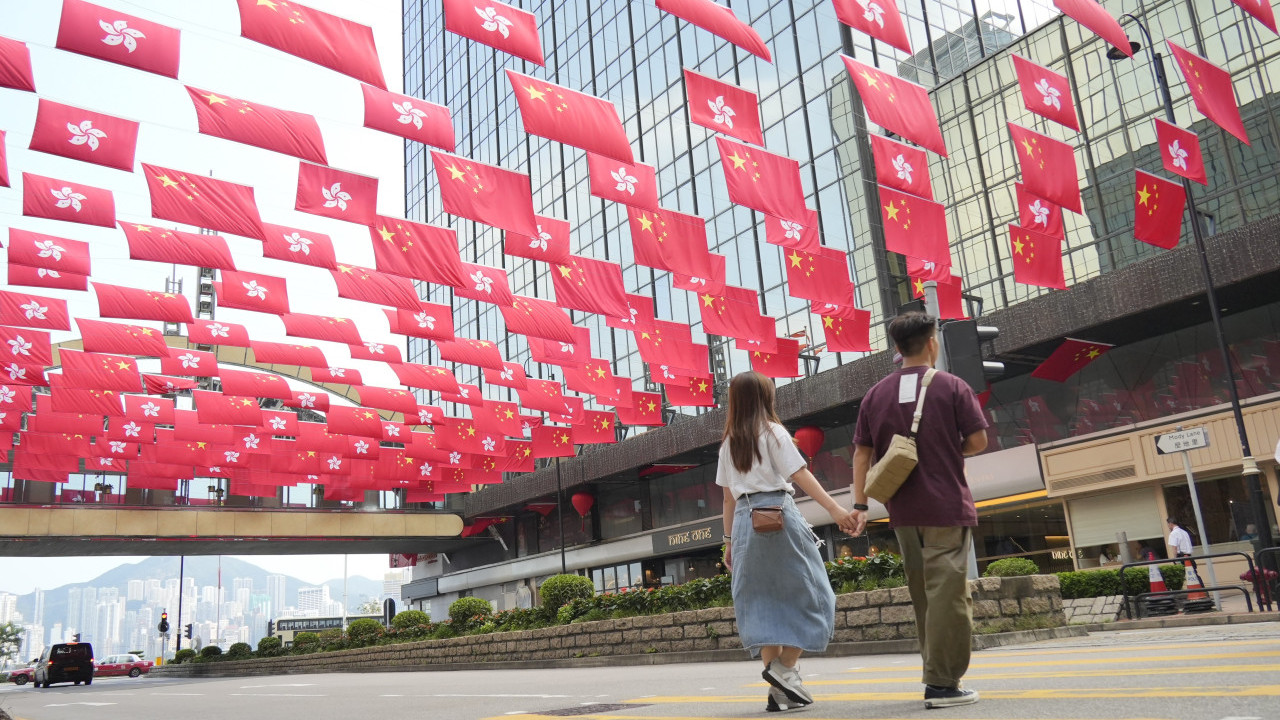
{"x":1113,"y":53}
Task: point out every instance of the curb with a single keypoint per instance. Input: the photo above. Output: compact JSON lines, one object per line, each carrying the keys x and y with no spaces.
{"x":1182,"y":621}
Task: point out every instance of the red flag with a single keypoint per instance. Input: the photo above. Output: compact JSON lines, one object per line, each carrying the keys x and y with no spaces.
{"x":486,"y":194}
{"x":669,"y":240}
{"x":567,"y":116}
{"x":898,"y":106}
{"x":734,"y":312}
{"x":800,"y":234}
{"x":537,"y":318}
{"x":480,"y":353}
{"x":34,"y":311}
{"x":1038,"y":214}
{"x":901,"y":166}
{"x":120,"y":339}
{"x":337,"y":194}
{"x":4,"y":163}
{"x":1157,"y":210}
{"x":208,"y":332}
{"x":485,"y":284}
{"x":157,"y":411}
{"x":190,"y":363}
{"x":699,"y":392}
{"x":94,"y":402}
{"x":1045,"y":92}
{"x":15,"y":401}
{"x":418,"y":251}
{"x":502,"y":418}
{"x":1092,"y":15}
{"x":718,"y":20}
{"x":282,"y":131}
{"x":251,"y":291}
{"x":273,"y":353}
{"x":552,"y":442}
{"x":337,"y":375}
{"x":24,"y":373}
{"x":1260,"y":9}
{"x":300,"y":246}
{"x":914,"y":226}
{"x":15,"y":65}
{"x":550,"y":244}
{"x":596,"y":429}
{"x":303,"y":399}
{"x":950,"y":300}
{"x":219,"y":409}
{"x":500,"y":26}
{"x":1048,"y":167}
{"x":119,"y":38}
{"x":783,"y":364}
{"x":97,"y":371}
{"x":44,"y":277}
{"x":927,"y":270}
{"x":359,"y":283}
{"x":671,"y":343}
{"x":565,"y":353}
{"x":321,"y":327}
{"x":380,"y":352}
{"x":85,"y":135}
{"x":430,"y":320}
{"x":46,"y":197}
{"x":848,"y":331}
{"x":26,"y":346}
{"x":761,"y":180}
{"x":645,"y":410}
{"x":427,"y":377}
{"x":157,"y":244}
{"x":161,"y":385}
{"x":511,"y":375}
{"x":47,"y":251}
{"x":1068,"y":359}
{"x":408,"y":117}
{"x":821,"y":276}
{"x":1212,"y":90}
{"x":1037,"y":258}
{"x":634,"y":185}
{"x":255,"y":384}
{"x":1180,"y":152}
{"x":640,"y":314}
{"x":543,"y":395}
{"x":202,"y":201}
{"x":591,"y":286}
{"x":723,"y":108}
{"x":401,"y":401}
{"x":877,"y":18}
{"x":321,"y":38}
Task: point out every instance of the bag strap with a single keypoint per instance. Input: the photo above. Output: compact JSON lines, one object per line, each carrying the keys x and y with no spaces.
{"x":924,"y":386}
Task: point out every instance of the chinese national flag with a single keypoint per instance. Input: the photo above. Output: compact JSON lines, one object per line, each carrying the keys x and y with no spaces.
{"x":538,"y":318}
{"x":327,"y":40}
{"x":1157,"y":210}
{"x":1261,"y":10}
{"x":162,"y":385}
{"x":395,"y":400}
{"x":321,"y":327}
{"x":634,"y":185}
{"x":251,"y":291}
{"x":761,"y":180}
{"x":1212,"y":90}
{"x":117,"y":301}
{"x":95,"y":402}
{"x":550,"y":441}
{"x":1070,"y":357}
{"x":46,"y":197}
{"x":801,"y":234}
{"x":427,"y":377}
{"x":733,"y":313}
{"x":898,"y":106}
{"x":486,"y":194}
{"x":557,"y":113}
{"x":157,"y":244}
{"x":1092,"y":15}
{"x":668,"y":240}
{"x":202,"y":201}
{"x":550,"y":244}
{"x":671,"y":344}
{"x":950,"y":300}
{"x":299,"y":246}
{"x":209,"y":332}
{"x":27,"y":276}
{"x":877,"y":18}
{"x":785,"y":363}
{"x":255,"y":384}
{"x":542,"y":395}
{"x":821,"y":276}
{"x":120,"y":339}
{"x":848,"y":331}
{"x":724,"y":108}
{"x":596,"y":429}
{"x":699,"y":392}
{"x":1180,"y":152}
{"x":1037,"y":258}
{"x":1045,"y":92}
{"x":282,"y":131}
{"x":480,"y":353}
{"x":512,"y":376}
{"x":85,"y":135}
{"x":408,"y":117}
{"x":337,"y":194}
{"x":26,"y":346}
{"x":914,"y":226}
{"x":431,"y":321}
{"x":119,"y":38}
{"x":33,"y":311}
{"x":1048,"y":167}
{"x":502,"y":418}
{"x":47,"y":251}
{"x":189,"y":363}
{"x":360,"y":283}
{"x":591,"y":286}
{"x":15,"y":66}
{"x":595,"y":377}
{"x":498,"y":25}
{"x":418,"y":251}
{"x":217,"y":409}
{"x":645,"y":410}
{"x":1038,"y":214}
{"x":98,"y":371}
{"x":901,"y":167}
{"x":718,"y":20}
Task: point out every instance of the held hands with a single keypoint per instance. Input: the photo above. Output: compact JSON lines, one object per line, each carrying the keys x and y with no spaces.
{"x":850,"y":522}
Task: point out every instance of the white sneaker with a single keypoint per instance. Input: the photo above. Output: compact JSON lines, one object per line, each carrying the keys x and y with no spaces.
{"x":778,"y":701}
{"x":788,"y":681}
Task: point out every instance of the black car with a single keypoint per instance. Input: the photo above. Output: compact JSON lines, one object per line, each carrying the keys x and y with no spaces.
{"x":65,"y":662}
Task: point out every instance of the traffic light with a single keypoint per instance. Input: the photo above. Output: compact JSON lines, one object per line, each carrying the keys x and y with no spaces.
{"x":187,"y":631}
{"x":163,"y":627}
{"x":962,"y":341}
{"x":75,"y":638}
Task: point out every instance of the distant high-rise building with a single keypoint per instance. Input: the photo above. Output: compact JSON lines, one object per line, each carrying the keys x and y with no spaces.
{"x":136,"y":590}
{"x":88,"y":620}
{"x":276,"y":585}
{"x":37,"y":614}
{"x":242,"y":583}
{"x":391,"y":584}
{"x":72,"y":618}
{"x":8,"y":607}
{"x":314,"y":601}
{"x":55,"y":634}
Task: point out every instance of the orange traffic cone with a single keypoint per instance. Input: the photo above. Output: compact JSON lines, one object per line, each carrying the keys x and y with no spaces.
{"x":1156,"y":579}
{"x":1157,"y":604}
{"x":1193,"y":583}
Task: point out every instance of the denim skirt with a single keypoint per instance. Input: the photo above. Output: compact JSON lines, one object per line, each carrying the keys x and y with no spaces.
{"x":781,"y":594}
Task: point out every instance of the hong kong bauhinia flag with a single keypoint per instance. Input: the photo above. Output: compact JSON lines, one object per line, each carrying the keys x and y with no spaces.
{"x":762,"y":180}
{"x":15,"y":66}
{"x":251,"y":291}
{"x":1037,"y":258}
{"x":1180,"y":152}
{"x":557,"y":113}
{"x":500,"y":26}
{"x":724,"y":108}
{"x":408,"y":117}
{"x":1038,"y":214}
{"x":1048,"y":167}
{"x":211,"y":332}
{"x":633,"y":185}
{"x":718,"y":20}
{"x":1212,"y":90}
{"x":1157,"y":210}
{"x":898,"y":106}
{"x":1045,"y":92}
{"x":283,"y":131}
{"x":877,"y":18}
{"x":337,"y":194}
{"x":202,"y":201}
{"x":35,"y":311}
{"x":85,"y":135}
{"x":328,"y":40}
{"x":901,"y":166}
{"x":43,"y":277}
{"x":305,"y":247}
{"x":48,"y":197}
{"x":119,"y":38}
{"x":486,"y":193}
{"x":38,"y":250}
{"x":550,"y":244}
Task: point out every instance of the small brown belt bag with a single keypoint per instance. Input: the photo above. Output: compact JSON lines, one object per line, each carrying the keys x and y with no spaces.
{"x":766,"y":519}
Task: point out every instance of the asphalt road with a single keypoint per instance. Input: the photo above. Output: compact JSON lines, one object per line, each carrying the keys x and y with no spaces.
{"x":1207,"y":673}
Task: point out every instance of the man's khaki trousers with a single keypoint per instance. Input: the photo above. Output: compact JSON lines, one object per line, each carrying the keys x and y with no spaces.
{"x":937,"y":564}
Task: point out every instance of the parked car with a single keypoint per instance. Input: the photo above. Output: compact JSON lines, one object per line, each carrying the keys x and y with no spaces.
{"x":23,"y":675}
{"x":65,"y":662}
{"x":126,"y":664}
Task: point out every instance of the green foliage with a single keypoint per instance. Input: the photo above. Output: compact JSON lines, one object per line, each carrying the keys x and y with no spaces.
{"x":305,"y":642}
{"x":183,"y":655}
{"x":1102,"y":583}
{"x":364,"y":631}
{"x":468,"y":611}
{"x":239,"y":651}
{"x":269,"y":647}
{"x":559,"y":590}
{"x":10,"y":640}
{"x":852,"y":574}
{"x":410,"y":618}
{"x":1011,"y":567}
{"x":210,"y":651}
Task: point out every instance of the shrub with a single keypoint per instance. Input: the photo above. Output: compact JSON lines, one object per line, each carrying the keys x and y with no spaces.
{"x":464,"y":609}
{"x":1101,"y":583}
{"x":559,"y":590}
{"x":410,"y":618}
{"x":1011,"y":567}
{"x":183,"y":655}
{"x":305,"y":641}
{"x":364,"y":631}
{"x":210,"y":651}
{"x":240,"y":651}
{"x":269,"y":647}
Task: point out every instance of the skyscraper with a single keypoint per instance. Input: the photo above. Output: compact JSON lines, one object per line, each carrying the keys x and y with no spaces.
{"x":276,"y":589}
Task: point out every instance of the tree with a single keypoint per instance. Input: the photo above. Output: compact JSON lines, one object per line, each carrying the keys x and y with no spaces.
{"x":10,"y":640}
{"x":373,"y":607}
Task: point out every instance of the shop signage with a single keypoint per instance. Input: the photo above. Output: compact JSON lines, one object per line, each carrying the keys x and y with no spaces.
{"x":1182,"y":441}
{"x":704,"y":534}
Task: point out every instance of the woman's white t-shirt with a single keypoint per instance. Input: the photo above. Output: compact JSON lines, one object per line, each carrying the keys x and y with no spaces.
{"x":779,"y":459}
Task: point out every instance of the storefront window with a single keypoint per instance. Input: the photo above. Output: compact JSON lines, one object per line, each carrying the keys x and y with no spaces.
{"x":1224,"y":504}
{"x":577,"y":530}
{"x":617,"y":577}
{"x":1036,"y":531}
{"x":686,"y":497}
{"x":621,"y":511}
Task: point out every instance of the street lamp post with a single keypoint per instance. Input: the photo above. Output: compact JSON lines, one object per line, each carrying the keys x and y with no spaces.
{"x":1250,"y":465}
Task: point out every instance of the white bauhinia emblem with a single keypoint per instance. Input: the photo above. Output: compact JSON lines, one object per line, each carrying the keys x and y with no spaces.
{"x":425,"y":321}
{"x":362,"y":447}
{"x":338,"y":372}
{"x":566,"y":347}
{"x":335,"y":463}
{"x":507,"y":374}
{"x":68,"y":197}
{"x":106,"y":462}
{"x":1040,"y":212}
{"x":117,"y":446}
{"x":540,"y":242}
{"x":425,"y":469}
{"x":494,"y":22}
{"x":666,"y":372}
{"x":119,"y":33}
{"x":42,"y":272}
{"x":1049,"y":94}
{"x":872,"y":12}
{"x":375,"y":348}
{"x":6,"y":395}
{"x":1178,"y":155}
{"x":231,"y":456}
{"x":215,"y":468}
{"x":254,"y":290}
{"x":16,"y":371}
{"x":791,"y":229}
{"x":85,"y":134}
{"x":723,"y":113}
{"x":278,"y":423}
{"x":903,"y":168}
{"x":307,"y":400}
{"x":170,"y":387}
{"x":19,"y":346}
{"x":150,"y":409}
{"x":409,"y":114}
{"x":34,"y":310}
{"x":251,"y":441}
{"x":489,"y":444}
{"x":464,"y":392}
{"x":297,"y":243}
{"x":392,"y":430}
{"x":483,"y":282}
{"x":424,"y":416}
{"x":526,"y":428}
{"x":625,"y":180}
{"x":455,"y":457}
{"x":189,"y":360}
{"x":218,"y":330}
{"x":132,"y":429}
{"x":336,"y":196}
{"x":48,"y":248}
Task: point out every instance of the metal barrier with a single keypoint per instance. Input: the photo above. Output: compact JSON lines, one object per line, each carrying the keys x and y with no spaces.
{"x":1267,"y":589}
{"x":1124,"y":588}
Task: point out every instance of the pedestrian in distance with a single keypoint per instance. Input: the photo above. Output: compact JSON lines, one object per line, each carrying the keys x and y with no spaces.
{"x":1179,"y":540}
{"x":782,"y":598}
{"x":932,"y":512}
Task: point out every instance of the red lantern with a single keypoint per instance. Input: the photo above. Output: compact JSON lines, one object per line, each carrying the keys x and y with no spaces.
{"x":810,"y":440}
{"x":582,"y":502}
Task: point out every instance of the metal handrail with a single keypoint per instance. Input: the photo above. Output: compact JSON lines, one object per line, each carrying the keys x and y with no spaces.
{"x":1124,"y":590}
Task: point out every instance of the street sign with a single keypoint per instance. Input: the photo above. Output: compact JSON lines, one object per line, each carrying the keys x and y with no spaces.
{"x":1182,"y":440}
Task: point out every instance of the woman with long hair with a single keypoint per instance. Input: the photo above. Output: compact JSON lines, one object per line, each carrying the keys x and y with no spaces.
{"x":781,"y":596}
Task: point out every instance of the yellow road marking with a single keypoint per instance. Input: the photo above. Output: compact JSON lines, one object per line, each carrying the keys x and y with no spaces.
{"x":1099,"y":661}
{"x":534,"y":716}
{"x":1115,"y":672}
{"x":1002,"y":652}
{"x":1037,"y":694}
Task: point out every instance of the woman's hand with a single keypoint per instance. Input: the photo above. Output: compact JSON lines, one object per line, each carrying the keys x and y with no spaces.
{"x":728,"y":557}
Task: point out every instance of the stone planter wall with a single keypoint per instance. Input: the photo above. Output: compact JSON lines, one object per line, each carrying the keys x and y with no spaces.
{"x":1083,"y":611}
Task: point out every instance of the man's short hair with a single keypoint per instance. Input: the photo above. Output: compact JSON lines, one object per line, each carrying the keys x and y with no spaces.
{"x":910,"y":331}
